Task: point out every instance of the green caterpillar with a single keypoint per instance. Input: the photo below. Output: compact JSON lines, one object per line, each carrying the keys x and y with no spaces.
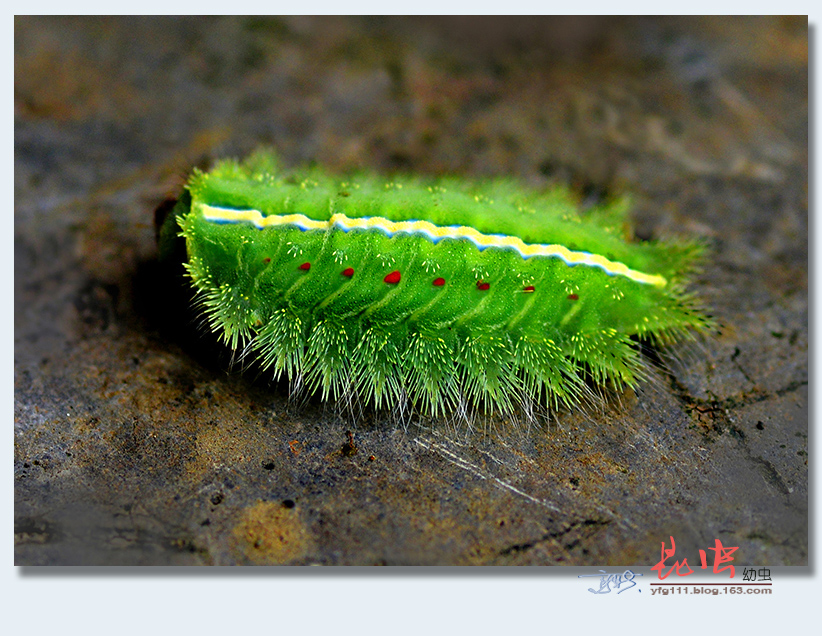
{"x":442,"y":293}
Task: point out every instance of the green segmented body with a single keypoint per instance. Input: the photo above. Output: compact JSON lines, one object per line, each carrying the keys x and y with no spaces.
{"x":433,"y":292}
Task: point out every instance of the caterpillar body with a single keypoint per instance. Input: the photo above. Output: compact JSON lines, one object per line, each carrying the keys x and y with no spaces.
{"x":440,"y":293}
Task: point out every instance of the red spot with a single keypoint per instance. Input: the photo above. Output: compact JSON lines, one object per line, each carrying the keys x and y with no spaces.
{"x":393,"y":278}
{"x":529,"y":289}
{"x":483,"y":286}
{"x":305,"y":266}
{"x":573,"y":297}
{"x":439,"y":282}
{"x":266,"y":260}
{"x":348,"y":271}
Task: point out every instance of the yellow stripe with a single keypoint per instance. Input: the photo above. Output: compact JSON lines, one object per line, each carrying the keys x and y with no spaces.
{"x":435,"y":232}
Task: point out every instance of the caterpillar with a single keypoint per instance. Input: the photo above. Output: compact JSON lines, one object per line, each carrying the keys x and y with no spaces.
{"x":440,"y":293}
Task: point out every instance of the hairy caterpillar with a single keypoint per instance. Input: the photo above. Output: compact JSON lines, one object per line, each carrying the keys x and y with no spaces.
{"x":441,"y":293}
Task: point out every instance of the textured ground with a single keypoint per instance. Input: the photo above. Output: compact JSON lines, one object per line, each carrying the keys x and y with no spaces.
{"x":133,"y":445}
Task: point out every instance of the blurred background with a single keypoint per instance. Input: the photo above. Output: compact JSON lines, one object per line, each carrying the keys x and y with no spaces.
{"x":133,"y":446}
